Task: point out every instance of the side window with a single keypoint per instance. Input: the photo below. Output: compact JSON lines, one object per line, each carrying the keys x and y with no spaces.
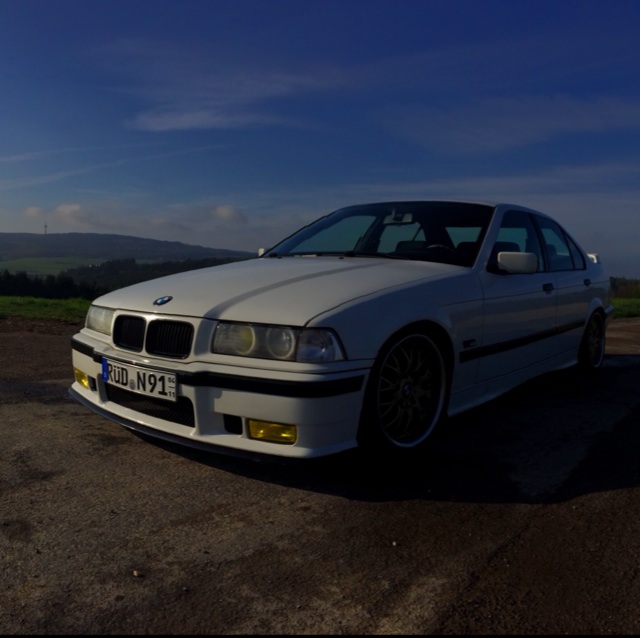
{"x":517,"y":234}
{"x":576,"y":255}
{"x":562,"y":253}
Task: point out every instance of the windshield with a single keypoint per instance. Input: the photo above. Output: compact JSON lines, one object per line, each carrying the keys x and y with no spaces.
{"x":446,"y":232}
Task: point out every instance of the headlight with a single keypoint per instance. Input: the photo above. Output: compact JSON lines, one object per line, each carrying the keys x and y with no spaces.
{"x":280,"y":342}
{"x":99,"y":319}
{"x":309,"y":345}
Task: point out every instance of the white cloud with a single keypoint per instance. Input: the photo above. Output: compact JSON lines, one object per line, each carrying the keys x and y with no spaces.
{"x":191,"y":86}
{"x":84,"y":169}
{"x":228,"y":214}
{"x":502,"y":124}
{"x":189,"y":118}
{"x":33,"y":212}
{"x":186,"y":88}
{"x":73,"y":215}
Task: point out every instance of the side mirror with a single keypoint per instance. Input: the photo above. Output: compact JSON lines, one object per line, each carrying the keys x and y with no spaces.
{"x":518,"y":263}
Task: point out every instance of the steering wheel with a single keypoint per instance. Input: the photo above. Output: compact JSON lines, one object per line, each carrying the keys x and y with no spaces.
{"x":442,"y":247}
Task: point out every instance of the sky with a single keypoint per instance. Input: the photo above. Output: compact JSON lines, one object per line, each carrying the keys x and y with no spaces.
{"x":231,"y":123}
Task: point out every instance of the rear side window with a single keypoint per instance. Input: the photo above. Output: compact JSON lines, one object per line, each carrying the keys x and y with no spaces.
{"x":577,"y":256}
{"x":561,"y":251}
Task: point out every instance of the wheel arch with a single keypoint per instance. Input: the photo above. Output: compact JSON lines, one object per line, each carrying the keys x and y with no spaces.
{"x":432,"y":329}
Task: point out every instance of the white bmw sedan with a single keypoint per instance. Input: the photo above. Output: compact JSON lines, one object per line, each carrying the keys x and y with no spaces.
{"x":366,"y":328}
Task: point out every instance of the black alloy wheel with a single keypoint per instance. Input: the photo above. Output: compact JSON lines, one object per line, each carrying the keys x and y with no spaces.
{"x":592,"y":347}
{"x":407,"y":392}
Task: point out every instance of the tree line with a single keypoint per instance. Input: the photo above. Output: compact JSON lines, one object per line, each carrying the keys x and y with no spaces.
{"x":625,"y":288}
{"x":89,"y":282}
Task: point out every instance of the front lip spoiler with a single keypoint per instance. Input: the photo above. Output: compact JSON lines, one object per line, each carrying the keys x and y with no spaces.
{"x":183,"y":442}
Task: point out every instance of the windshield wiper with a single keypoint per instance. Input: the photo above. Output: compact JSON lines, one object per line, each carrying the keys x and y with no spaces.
{"x":346,"y":253}
{"x":362,"y":253}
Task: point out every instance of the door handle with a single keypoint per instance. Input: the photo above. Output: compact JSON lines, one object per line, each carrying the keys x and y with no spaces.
{"x":587,"y":282}
{"x":548,"y":287}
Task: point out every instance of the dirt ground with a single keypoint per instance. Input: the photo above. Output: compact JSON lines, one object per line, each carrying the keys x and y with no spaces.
{"x":623,"y":336}
{"x":523,"y":519}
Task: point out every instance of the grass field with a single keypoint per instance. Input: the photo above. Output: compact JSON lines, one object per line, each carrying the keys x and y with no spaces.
{"x":38,"y":308}
{"x":626,"y":307}
{"x":44,"y":266}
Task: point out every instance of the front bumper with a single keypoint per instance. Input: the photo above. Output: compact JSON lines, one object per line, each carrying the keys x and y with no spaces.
{"x":215,"y":402}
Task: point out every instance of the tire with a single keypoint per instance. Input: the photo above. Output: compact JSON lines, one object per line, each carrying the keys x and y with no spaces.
{"x":406,"y":395}
{"x":591,"y":353}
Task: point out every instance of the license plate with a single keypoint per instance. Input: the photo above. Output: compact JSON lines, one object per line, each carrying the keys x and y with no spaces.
{"x":152,"y":383}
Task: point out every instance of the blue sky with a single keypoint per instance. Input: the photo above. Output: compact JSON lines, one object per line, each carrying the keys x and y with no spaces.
{"x":230,"y":123}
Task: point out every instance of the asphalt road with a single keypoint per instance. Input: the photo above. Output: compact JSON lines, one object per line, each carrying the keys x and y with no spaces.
{"x":522,"y":519}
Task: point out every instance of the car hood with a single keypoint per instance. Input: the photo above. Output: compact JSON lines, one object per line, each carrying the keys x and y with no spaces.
{"x":291,"y":290}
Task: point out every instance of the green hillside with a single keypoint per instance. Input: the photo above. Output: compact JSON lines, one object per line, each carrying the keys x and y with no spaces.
{"x":39,"y":254}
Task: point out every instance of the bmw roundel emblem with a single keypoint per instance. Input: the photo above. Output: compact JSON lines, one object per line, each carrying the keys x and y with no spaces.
{"x":160,"y":301}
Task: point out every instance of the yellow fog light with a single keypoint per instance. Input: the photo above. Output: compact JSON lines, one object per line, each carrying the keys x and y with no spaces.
{"x":82,"y":378}
{"x":272,"y":432}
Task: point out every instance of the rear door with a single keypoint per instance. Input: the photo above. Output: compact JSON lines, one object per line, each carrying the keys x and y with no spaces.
{"x":568,"y":265}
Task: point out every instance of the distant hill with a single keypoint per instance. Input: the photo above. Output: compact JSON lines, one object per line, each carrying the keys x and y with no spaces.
{"x":99,"y":247}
